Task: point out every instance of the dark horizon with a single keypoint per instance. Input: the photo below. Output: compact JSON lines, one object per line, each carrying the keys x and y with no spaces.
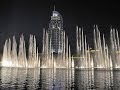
{"x":28,"y":17}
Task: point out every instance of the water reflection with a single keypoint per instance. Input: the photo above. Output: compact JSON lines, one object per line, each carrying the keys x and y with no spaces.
{"x":116,"y":79}
{"x":104,"y":80}
{"x":58,"y":79}
{"x":32,"y":79}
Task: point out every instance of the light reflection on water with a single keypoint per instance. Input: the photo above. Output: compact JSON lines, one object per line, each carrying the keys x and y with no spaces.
{"x":58,"y":79}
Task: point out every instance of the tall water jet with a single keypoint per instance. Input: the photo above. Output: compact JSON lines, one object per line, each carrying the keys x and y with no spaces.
{"x":102,"y":57}
{"x":33,"y":58}
{"x":50,"y":59}
{"x":101,"y":54}
{"x":5,"y":61}
{"x":30,"y":51}
{"x":115,"y":48}
{"x":46,"y":51}
{"x":86,"y":58}
{"x":22,"y":53}
{"x":14,"y":53}
{"x":66,"y":53}
{"x":82,"y":60}
{"x":13,"y":59}
{"x":98,"y":58}
{"x":106,"y":56}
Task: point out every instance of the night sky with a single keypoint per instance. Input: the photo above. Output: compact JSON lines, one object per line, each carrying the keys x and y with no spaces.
{"x":30,"y":16}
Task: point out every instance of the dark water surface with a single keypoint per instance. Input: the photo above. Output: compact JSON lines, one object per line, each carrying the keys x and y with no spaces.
{"x":58,"y":79}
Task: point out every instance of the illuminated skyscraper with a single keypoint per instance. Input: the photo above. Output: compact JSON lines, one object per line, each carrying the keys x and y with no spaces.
{"x":55,"y":32}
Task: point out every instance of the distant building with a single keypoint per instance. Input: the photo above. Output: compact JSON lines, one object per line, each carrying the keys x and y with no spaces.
{"x":55,"y":32}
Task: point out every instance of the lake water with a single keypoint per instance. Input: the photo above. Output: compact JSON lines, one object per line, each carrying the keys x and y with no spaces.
{"x":58,"y":79}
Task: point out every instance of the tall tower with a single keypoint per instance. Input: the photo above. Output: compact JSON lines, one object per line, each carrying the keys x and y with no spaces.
{"x":55,"y":32}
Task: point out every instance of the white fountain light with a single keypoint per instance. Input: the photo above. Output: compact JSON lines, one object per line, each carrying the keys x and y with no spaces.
{"x":6,"y":63}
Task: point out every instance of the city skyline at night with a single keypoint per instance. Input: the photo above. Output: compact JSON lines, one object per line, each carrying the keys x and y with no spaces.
{"x":59,"y":45}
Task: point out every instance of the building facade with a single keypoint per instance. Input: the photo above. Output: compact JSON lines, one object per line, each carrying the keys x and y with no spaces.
{"x":55,"y":32}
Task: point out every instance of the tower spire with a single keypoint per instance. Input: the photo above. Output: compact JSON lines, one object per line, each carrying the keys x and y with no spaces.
{"x":54,"y":7}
